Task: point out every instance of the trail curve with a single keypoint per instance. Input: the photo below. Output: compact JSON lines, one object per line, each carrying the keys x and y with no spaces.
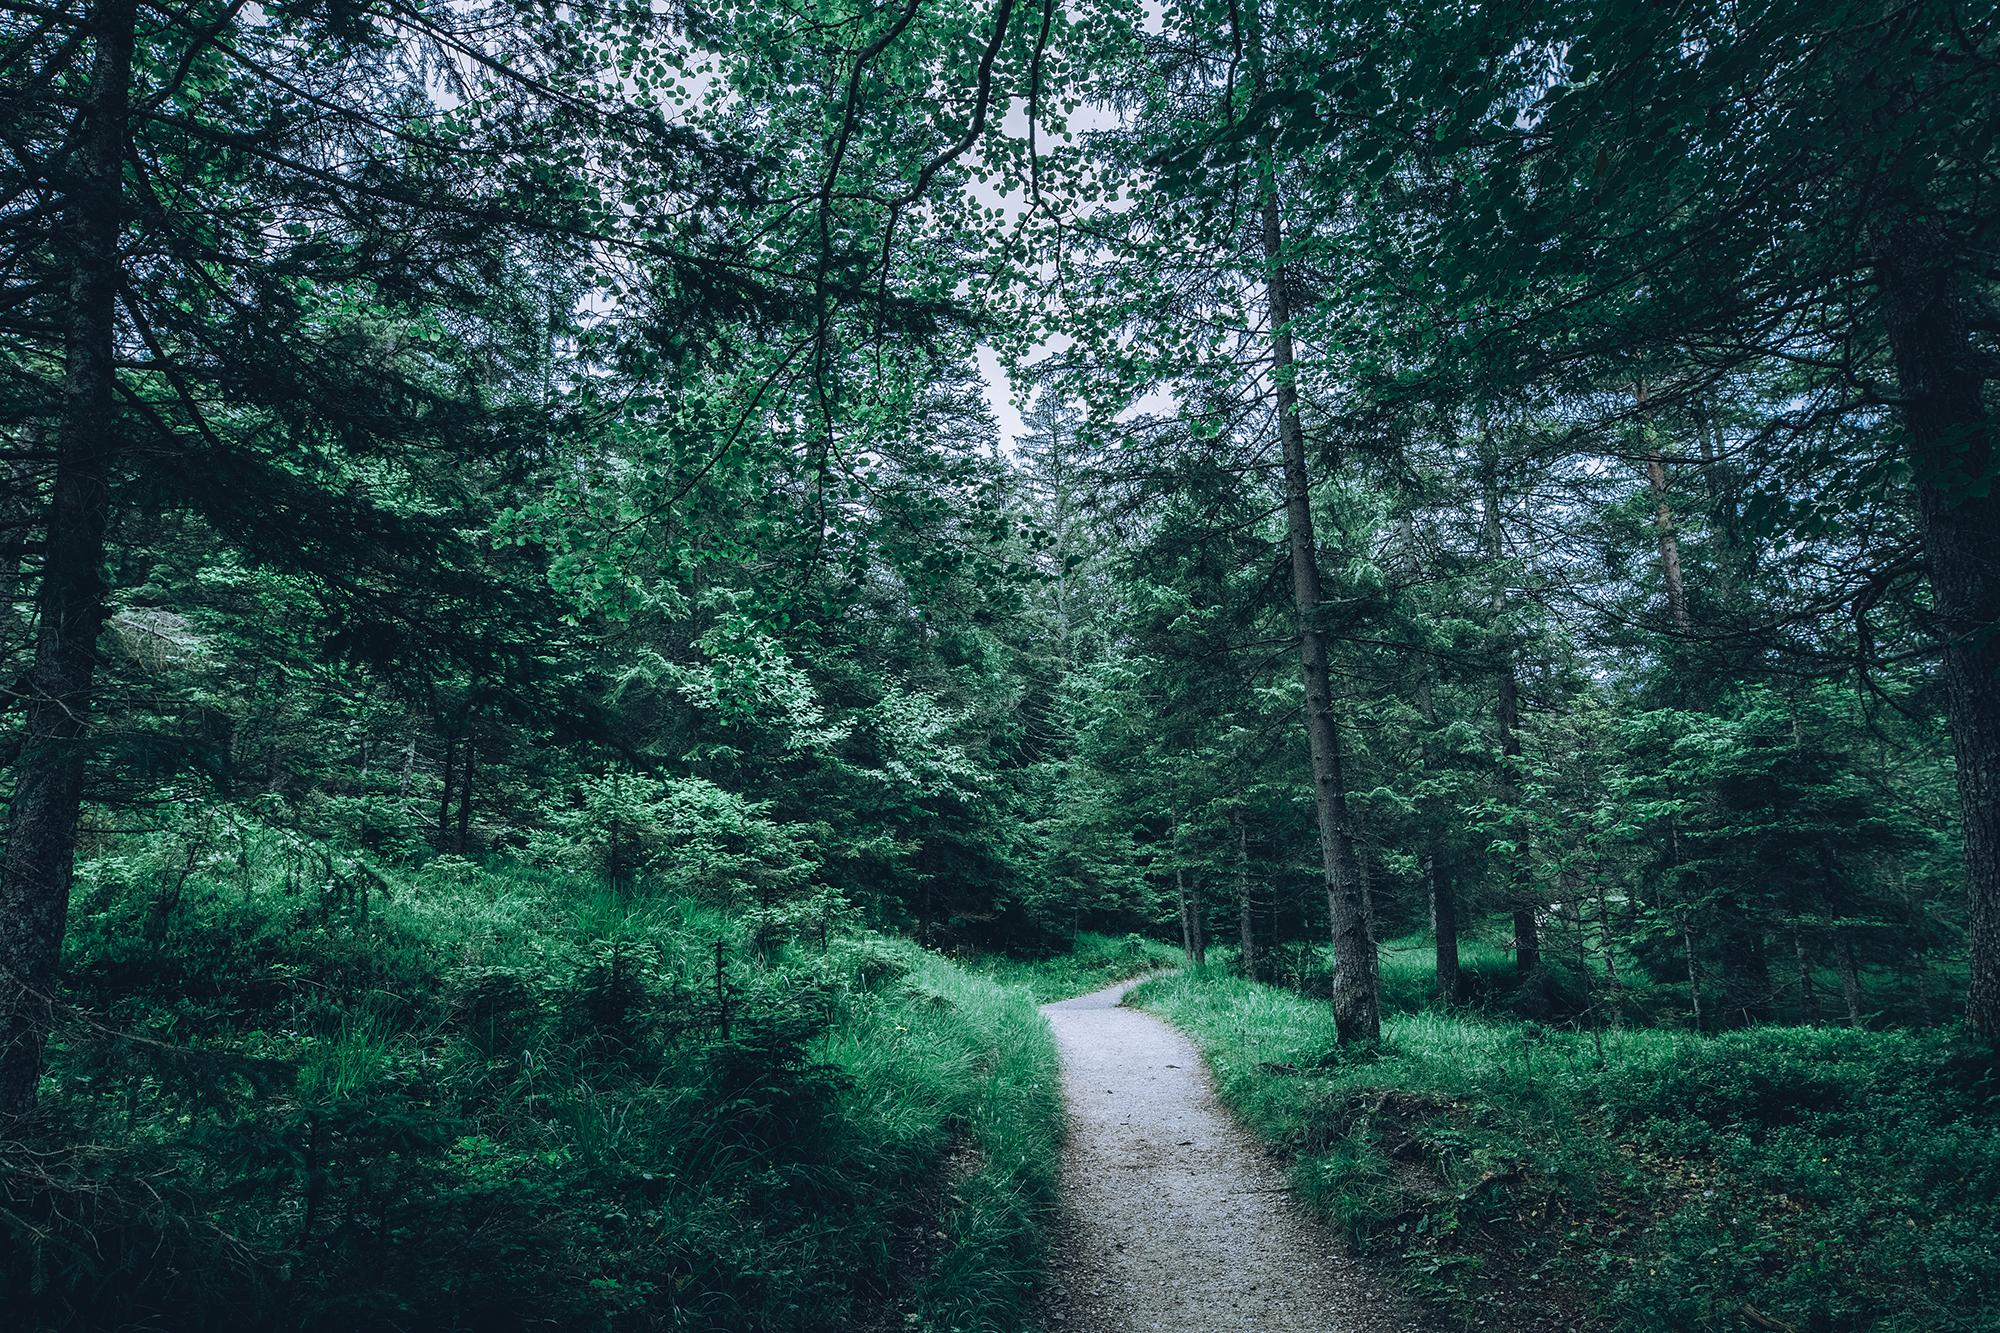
{"x":1174,"y":1216}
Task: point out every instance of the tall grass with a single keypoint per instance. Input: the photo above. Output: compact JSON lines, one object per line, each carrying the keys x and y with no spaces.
{"x":500,"y":1097}
{"x":1828,"y":1179}
{"x":997,"y":1214}
{"x":1093,"y":962}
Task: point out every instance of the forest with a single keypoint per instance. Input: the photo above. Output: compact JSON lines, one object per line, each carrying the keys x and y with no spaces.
{"x":598,"y":598}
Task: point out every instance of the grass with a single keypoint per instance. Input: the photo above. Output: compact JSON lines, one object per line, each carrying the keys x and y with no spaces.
{"x":996,"y":1215}
{"x":1820,"y":1180}
{"x":1092,"y":963}
{"x":500,"y":1098}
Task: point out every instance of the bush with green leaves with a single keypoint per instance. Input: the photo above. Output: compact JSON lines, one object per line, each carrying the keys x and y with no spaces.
{"x":507,"y":1096}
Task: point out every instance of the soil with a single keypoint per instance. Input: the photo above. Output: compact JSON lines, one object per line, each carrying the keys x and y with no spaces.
{"x":1174,"y":1216}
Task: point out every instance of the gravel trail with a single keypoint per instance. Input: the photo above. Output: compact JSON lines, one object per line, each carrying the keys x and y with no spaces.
{"x":1175,"y":1216}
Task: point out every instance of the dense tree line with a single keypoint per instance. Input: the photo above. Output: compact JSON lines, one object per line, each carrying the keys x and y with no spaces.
{"x":1626,"y":497}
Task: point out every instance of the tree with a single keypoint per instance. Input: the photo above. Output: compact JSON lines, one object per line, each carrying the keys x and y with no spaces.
{"x":1576,"y":195}
{"x":259,"y":272}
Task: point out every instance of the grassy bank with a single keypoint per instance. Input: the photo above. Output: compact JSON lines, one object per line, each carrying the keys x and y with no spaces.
{"x":1816,"y":1180}
{"x":1092,"y":963}
{"x":465,"y":1098}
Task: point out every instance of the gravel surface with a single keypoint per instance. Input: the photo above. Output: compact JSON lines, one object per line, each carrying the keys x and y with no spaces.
{"x":1177,"y":1218}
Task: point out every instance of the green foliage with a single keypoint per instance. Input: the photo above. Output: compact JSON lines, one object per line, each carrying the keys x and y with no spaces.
{"x":1092,"y":962}
{"x":501,"y":1096}
{"x":1834,"y":1180}
{"x":565,"y":592}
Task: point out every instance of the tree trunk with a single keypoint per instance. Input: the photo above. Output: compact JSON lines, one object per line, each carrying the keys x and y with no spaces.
{"x":1187,"y":922}
{"x":1527,"y":936}
{"x":1569,"y":907}
{"x":1357,"y":1001}
{"x":612,"y":849}
{"x":1357,"y":838}
{"x":444,"y":797}
{"x":1732,"y":566}
{"x":1243,"y":921}
{"x":465,"y":795}
{"x":612,"y":867}
{"x":1670,"y":545}
{"x":1609,"y":952}
{"x":1850,"y":978}
{"x":1746,"y":968}
{"x":1437,"y":866}
{"x":20,"y":518}
{"x":1694,"y":976}
{"x":1663,"y":523}
{"x":1274,"y":946}
{"x":409,"y":769}
{"x":1196,"y":925}
{"x":1808,"y":997}
{"x":1951,"y":443}
{"x":1444,"y":917}
{"x":1191,"y":941}
{"x":48,"y":792}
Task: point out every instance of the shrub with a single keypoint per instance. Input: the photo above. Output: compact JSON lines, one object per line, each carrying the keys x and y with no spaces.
{"x":503,"y":1097}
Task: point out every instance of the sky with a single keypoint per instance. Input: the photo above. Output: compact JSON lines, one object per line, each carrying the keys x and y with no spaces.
{"x":1000,"y":397}
{"x":999,"y":388}
{"x":1000,"y":391}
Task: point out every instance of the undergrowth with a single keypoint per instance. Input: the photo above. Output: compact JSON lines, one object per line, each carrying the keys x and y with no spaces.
{"x":474,"y":1098}
{"x":1093,"y":962}
{"x":1818,"y":1180}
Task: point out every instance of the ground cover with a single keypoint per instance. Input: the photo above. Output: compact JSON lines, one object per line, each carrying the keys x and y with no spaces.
{"x":474,"y":1097}
{"x":1092,"y":962}
{"x":1518,"y":1175}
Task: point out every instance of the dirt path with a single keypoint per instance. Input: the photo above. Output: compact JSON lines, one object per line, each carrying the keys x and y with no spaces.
{"x":1176,"y":1218}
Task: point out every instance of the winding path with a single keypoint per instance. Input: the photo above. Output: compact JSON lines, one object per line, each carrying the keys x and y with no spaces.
{"x":1176,"y":1218}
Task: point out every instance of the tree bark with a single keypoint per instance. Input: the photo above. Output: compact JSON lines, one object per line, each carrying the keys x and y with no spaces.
{"x":1850,"y":978}
{"x":1196,"y":925}
{"x":1357,"y":1001}
{"x":1245,"y":929}
{"x":612,"y":858}
{"x":1670,"y":544}
{"x":1444,"y":916}
{"x":1694,"y":975}
{"x":444,"y":797}
{"x":1951,"y":444}
{"x":409,"y":768}
{"x":1746,"y":968}
{"x":1187,"y":923}
{"x":1357,"y":838}
{"x":465,"y":795}
{"x":1735,"y":556}
{"x":1569,"y":907}
{"x":20,"y":518}
{"x":1527,"y":931}
{"x":1527,"y":935}
{"x":48,"y":793}
{"x":1663,"y":524}
{"x":1609,"y":952}
{"x":1808,"y":996}
{"x":1437,"y":863}
{"x":1190,"y":904}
